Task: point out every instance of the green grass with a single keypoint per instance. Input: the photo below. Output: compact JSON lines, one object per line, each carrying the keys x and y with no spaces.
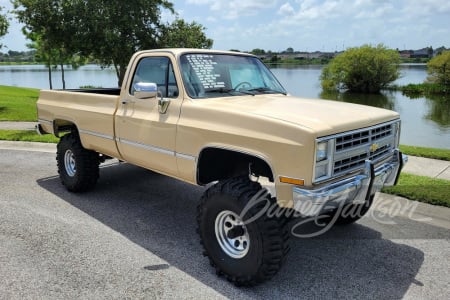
{"x":426,"y":88}
{"x":423,"y":189}
{"x":18,"y":104}
{"x":442,"y":154}
{"x":26,"y":136}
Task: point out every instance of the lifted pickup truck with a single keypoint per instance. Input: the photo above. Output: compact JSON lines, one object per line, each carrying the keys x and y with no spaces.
{"x":223,"y":120}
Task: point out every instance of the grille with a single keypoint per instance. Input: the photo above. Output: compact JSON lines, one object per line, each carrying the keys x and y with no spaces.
{"x":354,"y":148}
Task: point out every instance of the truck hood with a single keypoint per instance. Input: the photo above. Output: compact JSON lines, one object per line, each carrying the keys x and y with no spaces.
{"x":321,"y":116}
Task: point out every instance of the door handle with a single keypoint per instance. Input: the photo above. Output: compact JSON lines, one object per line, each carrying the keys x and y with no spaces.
{"x":163,"y":105}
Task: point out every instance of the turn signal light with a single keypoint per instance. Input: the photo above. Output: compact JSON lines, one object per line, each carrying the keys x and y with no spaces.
{"x":290,"y":180}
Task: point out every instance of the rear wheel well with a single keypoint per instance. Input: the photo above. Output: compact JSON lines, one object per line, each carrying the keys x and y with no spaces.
{"x":61,"y":126}
{"x":218,"y":164}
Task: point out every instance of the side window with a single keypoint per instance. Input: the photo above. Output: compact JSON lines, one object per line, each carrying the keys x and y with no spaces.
{"x":157,"y":70}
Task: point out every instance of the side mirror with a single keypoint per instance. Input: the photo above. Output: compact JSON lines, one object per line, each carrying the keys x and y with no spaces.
{"x":145,"y":90}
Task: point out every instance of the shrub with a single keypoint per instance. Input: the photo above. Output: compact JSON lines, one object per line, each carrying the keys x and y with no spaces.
{"x":438,"y":69}
{"x":365,"y":69}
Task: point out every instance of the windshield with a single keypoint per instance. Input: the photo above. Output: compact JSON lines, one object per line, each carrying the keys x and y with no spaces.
{"x":220,"y":75}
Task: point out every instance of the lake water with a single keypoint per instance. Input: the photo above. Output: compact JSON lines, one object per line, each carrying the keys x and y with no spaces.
{"x":425,"y":122}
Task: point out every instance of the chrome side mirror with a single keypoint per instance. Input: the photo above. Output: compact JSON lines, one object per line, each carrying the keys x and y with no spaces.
{"x":145,"y":90}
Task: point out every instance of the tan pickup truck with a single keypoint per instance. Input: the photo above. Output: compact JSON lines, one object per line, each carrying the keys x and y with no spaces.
{"x":222,"y":119}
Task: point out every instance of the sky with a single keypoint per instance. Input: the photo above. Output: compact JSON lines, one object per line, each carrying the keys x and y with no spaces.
{"x":305,"y":25}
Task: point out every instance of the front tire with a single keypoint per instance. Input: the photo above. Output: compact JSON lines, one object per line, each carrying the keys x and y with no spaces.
{"x":245,"y":253}
{"x":350,"y":213}
{"x":78,"y":168}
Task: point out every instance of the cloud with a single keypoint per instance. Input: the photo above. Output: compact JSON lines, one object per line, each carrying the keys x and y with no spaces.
{"x":286,"y":10}
{"x":233,"y":9}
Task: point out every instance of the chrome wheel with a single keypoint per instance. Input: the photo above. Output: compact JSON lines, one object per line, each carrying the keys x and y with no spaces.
{"x":232,"y":234}
{"x":69,"y":163}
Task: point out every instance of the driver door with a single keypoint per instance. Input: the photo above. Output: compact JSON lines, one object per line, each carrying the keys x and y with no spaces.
{"x":146,"y":136}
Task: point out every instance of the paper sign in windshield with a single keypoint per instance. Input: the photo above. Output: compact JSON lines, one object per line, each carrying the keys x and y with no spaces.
{"x":203,"y":66}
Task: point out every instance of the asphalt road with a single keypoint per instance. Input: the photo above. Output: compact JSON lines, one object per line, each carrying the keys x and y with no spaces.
{"x":134,"y":237}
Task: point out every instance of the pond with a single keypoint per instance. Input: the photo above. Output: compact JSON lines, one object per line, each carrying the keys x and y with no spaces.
{"x":425,"y":122}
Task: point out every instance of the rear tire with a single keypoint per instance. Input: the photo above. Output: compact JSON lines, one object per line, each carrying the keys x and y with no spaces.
{"x":245,"y":253}
{"x":78,"y":168}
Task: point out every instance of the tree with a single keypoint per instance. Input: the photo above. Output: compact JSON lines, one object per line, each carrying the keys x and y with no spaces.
{"x":180,"y":34}
{"x":48,"y":24}
{"x":365,"y":69}
{"x":3,"y":25}
{"x":44,"y":53}
{"x":438,"y":69}
{"x":290,"y":50}
{"x":258,"y":51}
{"x":112,"y":30}
{"x":430,"y":51}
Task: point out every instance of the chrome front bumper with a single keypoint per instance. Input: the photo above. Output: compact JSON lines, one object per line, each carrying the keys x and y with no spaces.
{"x":356,"y":189}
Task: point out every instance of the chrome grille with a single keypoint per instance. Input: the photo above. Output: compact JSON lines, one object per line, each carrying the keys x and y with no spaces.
{"x":354,"y":148}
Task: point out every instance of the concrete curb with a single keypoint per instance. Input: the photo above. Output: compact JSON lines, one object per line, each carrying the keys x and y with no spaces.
{"x":28,"y":146}
{"x":428,"y":167}
{"x":11,"y":125}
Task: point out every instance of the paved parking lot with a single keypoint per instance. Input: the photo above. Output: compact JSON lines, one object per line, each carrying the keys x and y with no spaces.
{"x":134,"y":237}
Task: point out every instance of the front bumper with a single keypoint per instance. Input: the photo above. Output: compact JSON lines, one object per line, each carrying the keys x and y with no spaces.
{"x":356,"y":189}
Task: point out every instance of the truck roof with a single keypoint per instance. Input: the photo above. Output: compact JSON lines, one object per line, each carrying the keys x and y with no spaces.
{"x":180,"y":51}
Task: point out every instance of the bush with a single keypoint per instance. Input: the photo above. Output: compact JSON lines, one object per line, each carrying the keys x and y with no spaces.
{"x":365,"y":69}
{"x":427,"y":88}
{"x":438,"y":69}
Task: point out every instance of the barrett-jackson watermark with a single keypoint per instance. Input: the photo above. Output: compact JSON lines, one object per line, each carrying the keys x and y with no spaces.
{"x":324,"y":215}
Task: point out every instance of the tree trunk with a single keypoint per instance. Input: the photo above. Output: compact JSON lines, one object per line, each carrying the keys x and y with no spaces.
{"x":63,"y":77}
{"x":119,"y":74}
{"x":122,"y":71}
{"x":50,"y":75}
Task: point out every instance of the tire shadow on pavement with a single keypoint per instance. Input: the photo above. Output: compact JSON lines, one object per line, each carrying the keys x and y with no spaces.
{"x":158,"y":213}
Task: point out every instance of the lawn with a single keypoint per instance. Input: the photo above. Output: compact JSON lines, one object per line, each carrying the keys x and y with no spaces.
{"x":442,"y":154}
{"x":421,"y":188}
{"x":18,"y":104}
{"x":26,"y":136}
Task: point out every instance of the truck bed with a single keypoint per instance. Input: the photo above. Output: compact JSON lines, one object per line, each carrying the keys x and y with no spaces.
{"x":91,"y":110}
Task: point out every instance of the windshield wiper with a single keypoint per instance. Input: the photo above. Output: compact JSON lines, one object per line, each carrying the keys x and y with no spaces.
{"x":229,"y":91}
{"x":265,"y":90}
{"x":220,"y":90}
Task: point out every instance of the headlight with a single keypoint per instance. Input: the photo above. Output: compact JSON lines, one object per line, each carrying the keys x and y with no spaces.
{"x":324,"y":157}
{"x":321,"y":151}
{"x":321,"y":171}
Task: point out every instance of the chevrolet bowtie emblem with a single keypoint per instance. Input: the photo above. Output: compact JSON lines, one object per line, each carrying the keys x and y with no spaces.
{"x":374,"y":147}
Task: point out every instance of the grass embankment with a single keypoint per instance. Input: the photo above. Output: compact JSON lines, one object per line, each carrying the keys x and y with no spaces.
{"x":19,"y":104}
{"x":442,"y":154}
{"x":421,"y":188}
{"x":27,"y":136}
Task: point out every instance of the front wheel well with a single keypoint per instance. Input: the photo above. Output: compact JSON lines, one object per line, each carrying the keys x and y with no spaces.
{"x":217,"y":164}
